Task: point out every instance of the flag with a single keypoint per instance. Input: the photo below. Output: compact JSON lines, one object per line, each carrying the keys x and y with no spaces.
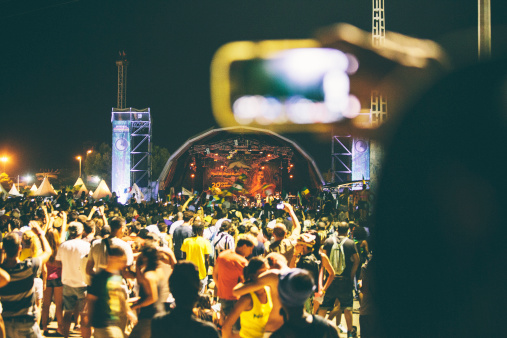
{"x":305,"y":191}
{"x":364,"y":182}
{"x":267,"y":185}
{"x":186,"y":192}
{"x":300,"y":199}
{"x":242,"y":177}
{"x":236,"y":187}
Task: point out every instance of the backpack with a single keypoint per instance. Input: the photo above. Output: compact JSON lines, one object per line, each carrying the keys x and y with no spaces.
{"x":337,"y":256}
{"x":311,"y":263}
{"x":216,"y":247}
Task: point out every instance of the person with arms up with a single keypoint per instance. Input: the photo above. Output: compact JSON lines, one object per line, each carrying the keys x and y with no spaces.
{"x":18,"y":296}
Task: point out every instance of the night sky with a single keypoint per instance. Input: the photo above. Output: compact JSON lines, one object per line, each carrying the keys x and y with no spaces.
{"x":58,"y":78}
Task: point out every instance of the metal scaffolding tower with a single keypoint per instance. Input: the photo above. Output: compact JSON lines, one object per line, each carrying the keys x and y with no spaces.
{"x":140,"y":135}
{"x":122,"y":65}
{"x":378,"y":108}
{"x":341,"y":158}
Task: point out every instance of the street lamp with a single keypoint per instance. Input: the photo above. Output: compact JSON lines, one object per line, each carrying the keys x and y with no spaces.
{"x":79,"y":158}
{"x":4,"y":159}
{"x":89,"y":152}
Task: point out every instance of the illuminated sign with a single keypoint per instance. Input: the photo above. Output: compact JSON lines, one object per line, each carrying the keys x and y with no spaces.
{"x":121,"y":160}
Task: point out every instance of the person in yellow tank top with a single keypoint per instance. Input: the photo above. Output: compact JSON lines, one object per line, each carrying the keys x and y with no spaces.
{"x":252,"y":309}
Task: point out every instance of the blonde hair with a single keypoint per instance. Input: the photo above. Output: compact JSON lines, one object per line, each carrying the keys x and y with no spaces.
{"x":53,"y":237}
{"x":31,"y":241}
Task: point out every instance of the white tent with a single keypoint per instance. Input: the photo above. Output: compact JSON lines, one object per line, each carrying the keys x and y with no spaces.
{"x":81,"y":186}
{"x":14,"y":191}
{"x":45,"y":189}
{"x":33,"y":188}
{"x":102,"y":191}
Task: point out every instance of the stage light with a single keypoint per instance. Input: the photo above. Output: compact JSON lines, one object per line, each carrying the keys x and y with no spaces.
{"x":269,"y":155}
{"x":262,"y":168}
{"x":291,"y":176}
{"x":28,"y":178}
{"x":89,"y":152}
{"x":193,"y":175}
{"x":4,"y":159}
{"x":291,"y":165}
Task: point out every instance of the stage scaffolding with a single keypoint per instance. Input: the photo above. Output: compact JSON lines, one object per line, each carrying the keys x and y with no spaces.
{"x":341,"y":158}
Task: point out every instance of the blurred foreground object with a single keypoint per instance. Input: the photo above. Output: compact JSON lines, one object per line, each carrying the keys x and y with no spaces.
{"x":440,"y":217}
{"x":316,"y":85}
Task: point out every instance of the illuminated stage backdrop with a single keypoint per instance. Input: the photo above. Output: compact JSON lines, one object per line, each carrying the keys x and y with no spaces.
{"x":121,"y":159}
{"x":360,"y":159}
{"x":259,"y":178}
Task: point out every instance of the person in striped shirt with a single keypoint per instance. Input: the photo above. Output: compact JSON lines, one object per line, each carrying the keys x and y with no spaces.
{"x":18,"y":297}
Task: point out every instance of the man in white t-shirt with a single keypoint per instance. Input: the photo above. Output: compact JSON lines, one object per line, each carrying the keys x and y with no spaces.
{"x":70,"y":254}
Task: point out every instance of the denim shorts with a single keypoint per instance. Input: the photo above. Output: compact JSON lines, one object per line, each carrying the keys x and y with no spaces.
{"x":54,"y":283}
{"x":72,"y":297}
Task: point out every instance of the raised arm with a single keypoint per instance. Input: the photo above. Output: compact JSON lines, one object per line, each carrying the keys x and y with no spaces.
{"x":101,"y":209}
{"x":46,"y":248}
{"x":92,"y":211}
{"x":184,"y":207}
{"x":296,"y":226}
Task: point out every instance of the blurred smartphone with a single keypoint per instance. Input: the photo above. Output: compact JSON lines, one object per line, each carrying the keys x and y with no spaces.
{"x":280,"y":206}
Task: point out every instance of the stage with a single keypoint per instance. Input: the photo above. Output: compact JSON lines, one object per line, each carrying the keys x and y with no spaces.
{"x":250,"y":161}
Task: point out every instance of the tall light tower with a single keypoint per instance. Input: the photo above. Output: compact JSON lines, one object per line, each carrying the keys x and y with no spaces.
{"x":378,"y":108}
{"x":484,"y":21}
{"x":122,"y":65}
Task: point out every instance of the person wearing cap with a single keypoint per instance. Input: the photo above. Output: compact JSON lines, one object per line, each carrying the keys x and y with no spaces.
{"x":70,"y":254}
{"x":294,"y":287}
{"x":307,"y":255}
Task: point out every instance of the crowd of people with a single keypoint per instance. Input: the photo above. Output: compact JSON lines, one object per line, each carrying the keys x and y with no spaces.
{"x":161,"y":269}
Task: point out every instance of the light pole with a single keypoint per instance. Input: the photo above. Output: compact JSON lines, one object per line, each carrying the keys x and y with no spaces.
{"x":484,"y":29}
{"x":79,"y":158}
{"x":4,"y":159}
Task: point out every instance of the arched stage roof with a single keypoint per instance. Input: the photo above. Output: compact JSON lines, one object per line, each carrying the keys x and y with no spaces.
{"x":306,"y":172}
